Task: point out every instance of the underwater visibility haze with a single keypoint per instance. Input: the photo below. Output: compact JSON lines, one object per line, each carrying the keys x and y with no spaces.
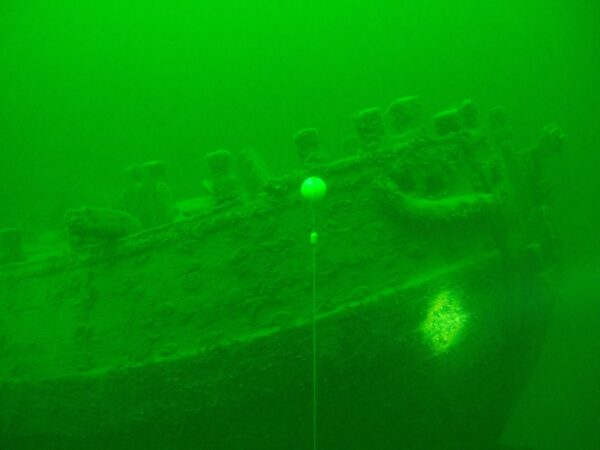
{"x":299,"y":225}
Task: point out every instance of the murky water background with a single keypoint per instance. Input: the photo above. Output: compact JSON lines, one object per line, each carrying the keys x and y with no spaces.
{"x":87,"y":88}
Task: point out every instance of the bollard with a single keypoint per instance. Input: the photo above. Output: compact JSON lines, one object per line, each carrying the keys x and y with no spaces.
{"x":405,"y":114}
{"x":370,"y":129}
{"x":225,"y":186}
{"x":448,"y":122}
{"x":157,"y":194}
{"x":470,"y":114}
{"x":252,"y":172}
{"x":308,"y":146}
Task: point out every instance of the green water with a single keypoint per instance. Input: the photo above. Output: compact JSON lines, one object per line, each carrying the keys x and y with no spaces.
{"x":89,"y":88}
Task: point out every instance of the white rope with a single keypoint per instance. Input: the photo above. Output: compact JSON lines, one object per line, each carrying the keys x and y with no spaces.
{"x":314,"y":327}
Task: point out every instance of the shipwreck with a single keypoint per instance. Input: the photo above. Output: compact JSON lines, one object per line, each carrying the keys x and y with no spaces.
{"x":188,"y":324}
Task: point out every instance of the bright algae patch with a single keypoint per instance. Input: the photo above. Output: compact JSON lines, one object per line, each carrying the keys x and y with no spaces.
{"x":444,"y":323}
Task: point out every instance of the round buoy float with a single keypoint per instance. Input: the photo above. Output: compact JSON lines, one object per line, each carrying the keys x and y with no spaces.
{"x":313,"y":189}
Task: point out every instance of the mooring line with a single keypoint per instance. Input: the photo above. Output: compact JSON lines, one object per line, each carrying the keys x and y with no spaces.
{"x":314,"y":328}
{"x":314,"y":189}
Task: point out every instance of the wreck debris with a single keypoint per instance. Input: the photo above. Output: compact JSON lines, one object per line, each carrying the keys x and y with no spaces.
{"x":308,"y":146}
{"x":370,"y":129}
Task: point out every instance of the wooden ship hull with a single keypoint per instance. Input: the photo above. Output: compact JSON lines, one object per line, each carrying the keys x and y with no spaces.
{"x":432,"y":299}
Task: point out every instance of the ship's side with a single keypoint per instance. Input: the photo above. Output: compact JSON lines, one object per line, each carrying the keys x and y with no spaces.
{"x":432,"y":297}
